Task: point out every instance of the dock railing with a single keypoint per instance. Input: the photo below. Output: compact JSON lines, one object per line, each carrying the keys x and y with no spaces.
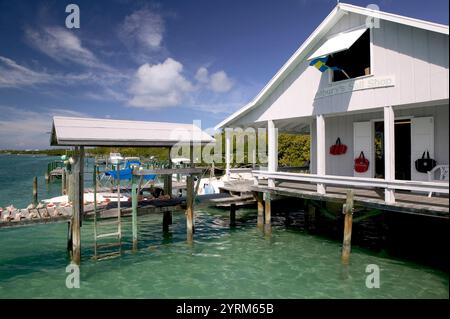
{"x":350,"y":181}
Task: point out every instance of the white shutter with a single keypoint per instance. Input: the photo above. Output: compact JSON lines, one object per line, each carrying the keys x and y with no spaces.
{"x":422,"y":139}
{"x":362,"y":141}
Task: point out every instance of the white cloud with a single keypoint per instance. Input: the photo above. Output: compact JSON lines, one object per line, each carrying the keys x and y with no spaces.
{"x":62,"y":45}
{"x":202,"y":75}
{"x":218,"y":82}
{"x":159,"y":85}
{"x":24,"y":129}
{"x":13,"y":74}
{"x":143,"y":29}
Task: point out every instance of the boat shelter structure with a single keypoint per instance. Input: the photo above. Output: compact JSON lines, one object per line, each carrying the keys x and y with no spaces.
{"x":89,"y":132}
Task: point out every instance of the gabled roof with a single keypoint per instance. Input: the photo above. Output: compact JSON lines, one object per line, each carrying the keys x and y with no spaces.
{"x":314,"y":38}
{"x":75,"y":131}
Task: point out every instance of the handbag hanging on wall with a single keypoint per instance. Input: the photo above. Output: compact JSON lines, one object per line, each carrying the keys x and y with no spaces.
{"x":338,"y":148}
{"x":425,"y":164}
{"x":361,"y":163}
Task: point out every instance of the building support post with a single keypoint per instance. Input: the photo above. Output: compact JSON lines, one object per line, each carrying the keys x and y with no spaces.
{"x":228,"y":155}
{"x":272,"y":150}
{"x":389,"y":152}
{"x":321,"y":151}
{"x":347,"y":210}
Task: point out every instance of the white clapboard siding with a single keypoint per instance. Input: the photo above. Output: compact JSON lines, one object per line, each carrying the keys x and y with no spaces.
{"x":362,"y":141}
{"x":422,"y":140}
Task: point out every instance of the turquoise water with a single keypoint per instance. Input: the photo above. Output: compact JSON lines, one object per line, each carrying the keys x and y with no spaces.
{"x":16,"y":179}
{"x":243,"y":262}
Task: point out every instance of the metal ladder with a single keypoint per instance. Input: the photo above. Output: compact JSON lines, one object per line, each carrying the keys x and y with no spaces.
{"x":99,"y":223}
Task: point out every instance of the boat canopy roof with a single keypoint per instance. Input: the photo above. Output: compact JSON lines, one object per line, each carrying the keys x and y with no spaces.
{"x":74,"y":131}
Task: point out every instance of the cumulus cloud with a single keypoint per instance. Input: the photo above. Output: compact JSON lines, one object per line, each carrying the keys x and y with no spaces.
{"x":159,"y":85}
{"x":217,"y":82}
{"x":142,"y":32}
{"x":62,"y":46}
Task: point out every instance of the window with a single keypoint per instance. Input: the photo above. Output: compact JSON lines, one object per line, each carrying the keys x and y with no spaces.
{"x":352,"y":63}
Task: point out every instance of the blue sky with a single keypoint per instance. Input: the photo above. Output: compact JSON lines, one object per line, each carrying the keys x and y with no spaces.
{"x":150,"y":60}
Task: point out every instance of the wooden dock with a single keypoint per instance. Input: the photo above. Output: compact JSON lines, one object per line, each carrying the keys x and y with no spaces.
{"x":406,"y":202}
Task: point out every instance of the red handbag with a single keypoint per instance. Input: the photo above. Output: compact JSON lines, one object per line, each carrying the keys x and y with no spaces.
{"x":338,"y":148}
{"x":361,"y":163}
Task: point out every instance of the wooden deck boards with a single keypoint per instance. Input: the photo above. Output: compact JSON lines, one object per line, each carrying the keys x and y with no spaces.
{"x":406,"y":202}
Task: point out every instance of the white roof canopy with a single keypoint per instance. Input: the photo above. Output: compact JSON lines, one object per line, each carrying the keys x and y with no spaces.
{"x":73,"y":131}
{"x":338,"y":43}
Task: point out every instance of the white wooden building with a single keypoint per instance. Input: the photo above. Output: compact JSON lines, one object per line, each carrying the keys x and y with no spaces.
{"x":394,"y":91}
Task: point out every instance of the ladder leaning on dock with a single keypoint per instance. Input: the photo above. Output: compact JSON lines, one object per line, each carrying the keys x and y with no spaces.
{"x":98,"y":223}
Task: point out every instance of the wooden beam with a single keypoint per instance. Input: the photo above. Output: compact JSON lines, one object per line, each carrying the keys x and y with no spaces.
{"x":190,"y":206}
{"x":168,"y":171}
{"x":347,"y":210}
{"x":321,"y":151}
{"x":389,"y":152}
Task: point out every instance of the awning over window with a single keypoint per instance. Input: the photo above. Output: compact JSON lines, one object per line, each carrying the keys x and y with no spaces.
{"x":338,"y":43}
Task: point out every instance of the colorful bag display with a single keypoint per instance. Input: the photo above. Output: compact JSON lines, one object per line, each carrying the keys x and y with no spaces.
{"x":361,"y":163}
{"x":338,"y":148}
{"x":424,"y":165}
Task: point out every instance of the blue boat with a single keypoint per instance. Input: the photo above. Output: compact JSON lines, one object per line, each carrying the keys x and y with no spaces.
{"x":126,"y":173}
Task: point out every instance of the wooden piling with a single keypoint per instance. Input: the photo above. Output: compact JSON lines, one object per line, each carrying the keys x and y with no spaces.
{"x":190,"y":206}
{"x":267,"y":210}
{"x":233,"y":215}
{"x":167,"y":220}
{"x":310,"y":217}
{"x":347,"y":210}
{"x":134,"y":204}
{"x":77,"y":194}
{"x":63,"y":182}
{"x":35,"y":191}
{"x":260,"y":207}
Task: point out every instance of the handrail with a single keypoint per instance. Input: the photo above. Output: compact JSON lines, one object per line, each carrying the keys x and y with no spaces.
{"x":437,"y":187}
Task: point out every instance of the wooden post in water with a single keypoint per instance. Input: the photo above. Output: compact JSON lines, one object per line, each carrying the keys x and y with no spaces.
{"x":347,"y":210}
{"x":167,"y":220}
{"x":267,"y":209}
{"x":190,"y":207}
{"x":260,"y":206}
{"x":233,"y":214}
{"x":35,"y":191}
{"x":63,"y":182}
{"x":77,"y":199}
{"x":134,"y":205}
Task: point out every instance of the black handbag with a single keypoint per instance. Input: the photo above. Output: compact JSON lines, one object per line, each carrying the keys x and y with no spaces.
{"x":424,"y":165}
